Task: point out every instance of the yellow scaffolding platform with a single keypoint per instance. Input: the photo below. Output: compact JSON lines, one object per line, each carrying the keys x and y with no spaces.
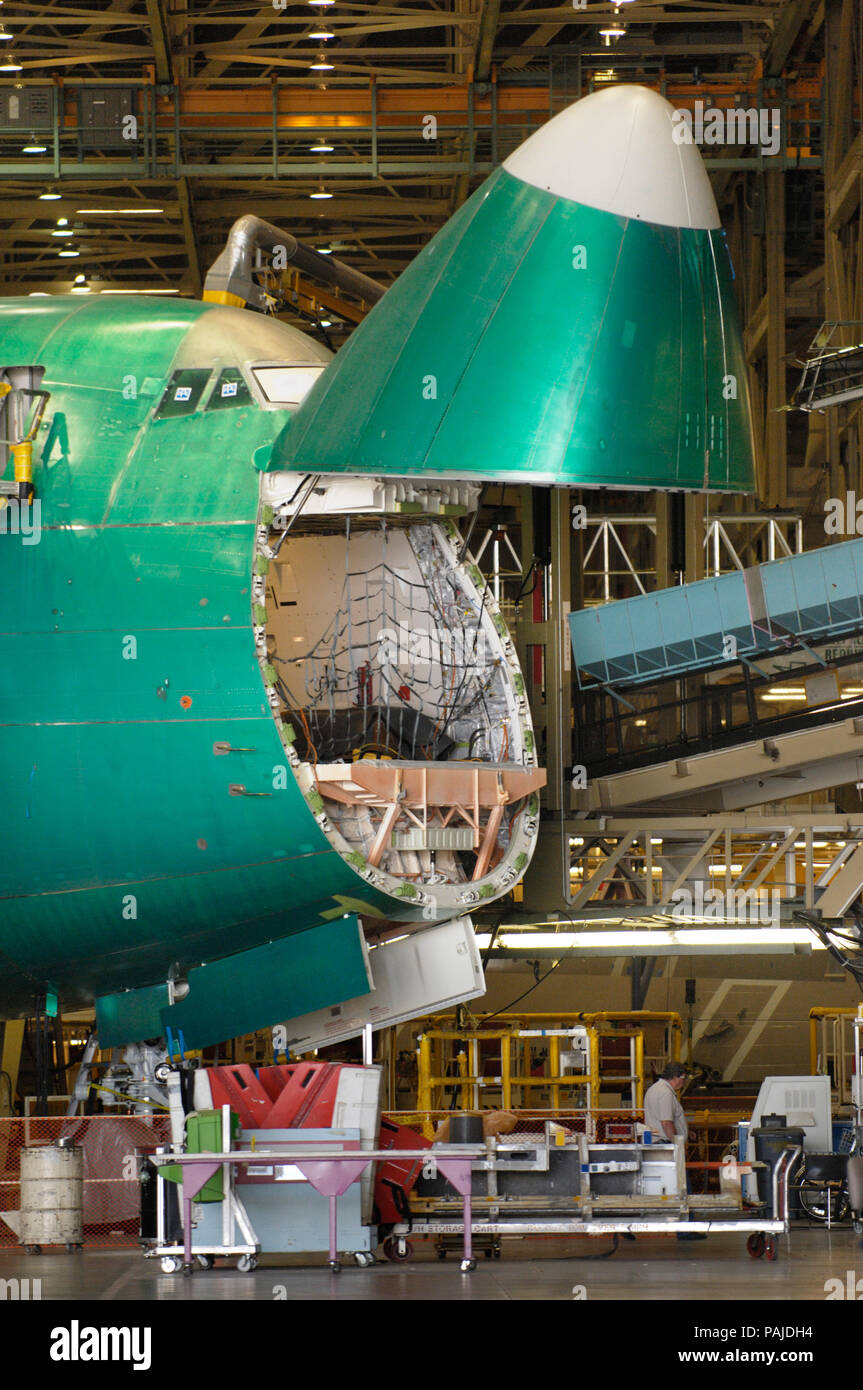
{"x":517,"y":1076}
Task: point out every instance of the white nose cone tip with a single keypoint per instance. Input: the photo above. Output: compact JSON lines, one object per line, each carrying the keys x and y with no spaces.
{"x":621,"y":150}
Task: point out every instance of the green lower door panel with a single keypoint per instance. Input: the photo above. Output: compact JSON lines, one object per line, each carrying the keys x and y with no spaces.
{"x":244,"y":992}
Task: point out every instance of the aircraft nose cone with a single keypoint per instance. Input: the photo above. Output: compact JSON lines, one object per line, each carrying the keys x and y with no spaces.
{"x":616,"y":151}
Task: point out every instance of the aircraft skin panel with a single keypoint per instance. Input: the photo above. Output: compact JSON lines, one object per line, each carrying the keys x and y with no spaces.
{"x":539,"y":340}
{"x":243,"y":992}
{"x":126,"y":655}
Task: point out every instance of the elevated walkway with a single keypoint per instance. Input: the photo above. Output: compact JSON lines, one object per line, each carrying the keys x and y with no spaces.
{"x":713,"y":699}
{"x":797,"y":602}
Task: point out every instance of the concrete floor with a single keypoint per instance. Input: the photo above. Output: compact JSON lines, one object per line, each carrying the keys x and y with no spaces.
{"x":650,"y":1269}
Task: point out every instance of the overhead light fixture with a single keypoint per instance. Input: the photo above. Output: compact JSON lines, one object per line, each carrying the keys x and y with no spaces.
{"x":80,"y":289}
{"x":613,"y":31}
{"x":11,"y":66}
{"x":70,"y":252}
{"x":325,"y":250}
{"x":62,"y":221}
{"x":49,"y":196}
{"x":321,"y":193}
{"x":320,"y":64}
{"x":321,"y":4}
{"x":322,"y":34}
{"x":62,"y":234}
{"x":118,"y":212}
{"x":321,"y":148}
{"x":5,"y":36}
{"x":34,"y":147}
{"x":138,"y":291}
{"x":666,"y":942}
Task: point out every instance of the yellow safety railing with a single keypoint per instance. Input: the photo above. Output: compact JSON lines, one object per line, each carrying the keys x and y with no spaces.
{"x":448,"y":1056}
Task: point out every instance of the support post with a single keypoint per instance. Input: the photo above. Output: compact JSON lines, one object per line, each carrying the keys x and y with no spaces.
{"x":775,"y":442}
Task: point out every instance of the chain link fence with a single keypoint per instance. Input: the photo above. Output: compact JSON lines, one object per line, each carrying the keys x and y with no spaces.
{"x":601,"y":1126}
{"x":112,"y":1146}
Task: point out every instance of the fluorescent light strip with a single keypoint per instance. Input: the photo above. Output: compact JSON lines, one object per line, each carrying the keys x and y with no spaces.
{"x":118,"y":212}
{"x":654,"y":942}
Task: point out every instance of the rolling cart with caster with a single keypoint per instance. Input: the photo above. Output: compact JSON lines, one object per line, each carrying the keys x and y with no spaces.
{"x":604,"y":1215}
{"x":234,"y":1237}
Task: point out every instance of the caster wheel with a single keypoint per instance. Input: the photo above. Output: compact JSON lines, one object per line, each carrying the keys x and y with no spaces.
{"x":246,"y":1263}
{"x":364,"y":1260}
{"x":205,"y":1261}
{"x":397,"y":1248}
{"x":771,"y":1248}
{"x":188,"y":1271}
{"x":755,"y":1245}
{"x":496,"y":1251}
{"x":467,"y":1266}
{"x":335,"y":1266}
{"x":858,"y":1228}
{"x":170,"y":1264}
{"x":33,"y":1249}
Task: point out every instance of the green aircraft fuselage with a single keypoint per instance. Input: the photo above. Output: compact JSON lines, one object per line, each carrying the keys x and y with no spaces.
{"x":128,"y":656}
{"x":144,"y":829}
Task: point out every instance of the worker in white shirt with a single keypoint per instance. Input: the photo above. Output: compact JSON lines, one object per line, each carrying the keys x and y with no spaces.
{"x":664,"y":1117}
{"x":663,"y":1113}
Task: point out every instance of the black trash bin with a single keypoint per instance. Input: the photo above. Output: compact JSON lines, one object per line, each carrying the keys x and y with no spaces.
{"x":770,"y":1144}
{"x":465,"y":1129}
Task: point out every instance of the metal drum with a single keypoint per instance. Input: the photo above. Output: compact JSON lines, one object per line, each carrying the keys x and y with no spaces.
{"x":52,"y":1195}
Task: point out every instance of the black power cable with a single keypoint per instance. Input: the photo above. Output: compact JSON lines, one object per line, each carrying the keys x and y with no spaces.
{"x":824,"y":933}
{"x":506,"y":1007}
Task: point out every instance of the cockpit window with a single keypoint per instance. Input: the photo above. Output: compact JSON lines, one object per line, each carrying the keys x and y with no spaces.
{"x":287,"y":385}
{"x":230,"y":390}
{"x":183,"y":392}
